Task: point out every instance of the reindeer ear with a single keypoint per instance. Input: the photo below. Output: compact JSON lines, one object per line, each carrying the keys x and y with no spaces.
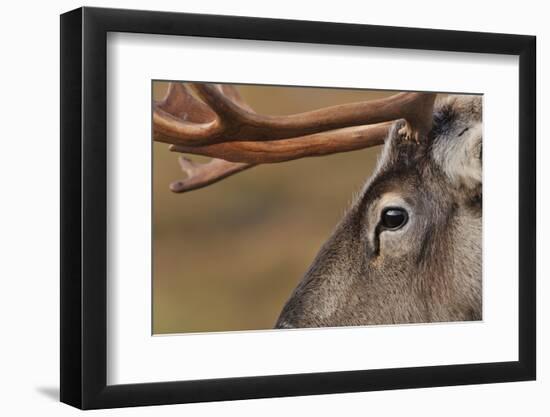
{"x":460,"y":157}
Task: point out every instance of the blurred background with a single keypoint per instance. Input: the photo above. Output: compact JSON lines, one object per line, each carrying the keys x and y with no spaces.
{"x":227,"y":256}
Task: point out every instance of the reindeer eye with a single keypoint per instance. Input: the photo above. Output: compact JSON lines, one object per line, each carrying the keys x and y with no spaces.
{"x":394,"y":218}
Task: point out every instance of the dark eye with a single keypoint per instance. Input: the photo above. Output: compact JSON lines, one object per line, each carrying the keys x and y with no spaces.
{"x":394,"y":218}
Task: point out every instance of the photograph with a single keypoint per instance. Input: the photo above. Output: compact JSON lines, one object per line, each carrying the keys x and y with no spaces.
{"x":264,"y":206}
{"x":296,"y":207}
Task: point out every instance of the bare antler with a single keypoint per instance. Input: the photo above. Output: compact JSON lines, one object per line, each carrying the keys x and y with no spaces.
{"x":282,"y":150}
{"x":202,"y":174}
{"x":225,"y":128}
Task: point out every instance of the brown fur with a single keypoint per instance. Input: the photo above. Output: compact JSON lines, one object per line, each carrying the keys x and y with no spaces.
{"x":428,"y":271}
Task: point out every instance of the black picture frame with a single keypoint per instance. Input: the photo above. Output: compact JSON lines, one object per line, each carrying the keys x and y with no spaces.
{"x":84,"y":207}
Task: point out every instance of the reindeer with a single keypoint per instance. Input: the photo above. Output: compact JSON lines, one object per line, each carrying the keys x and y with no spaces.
{"x":408,"y":250}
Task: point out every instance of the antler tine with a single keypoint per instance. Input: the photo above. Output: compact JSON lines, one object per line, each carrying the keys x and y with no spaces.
{"x":182,"y":115}
{"x":235,"y":121}
{"x":202,"y":174}
{"x":180,"y":103}
{"x":319,"y":144}
{"x":181,"y":118}
{"x":232,"y":93}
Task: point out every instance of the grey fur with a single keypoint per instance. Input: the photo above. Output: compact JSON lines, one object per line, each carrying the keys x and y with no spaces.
{"x":427,"y":271}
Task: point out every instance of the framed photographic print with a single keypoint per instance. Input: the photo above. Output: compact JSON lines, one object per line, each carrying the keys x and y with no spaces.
{"x":258,"y":208}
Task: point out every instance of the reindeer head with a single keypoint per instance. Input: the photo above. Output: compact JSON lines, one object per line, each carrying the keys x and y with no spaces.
{"x":409,"y":248}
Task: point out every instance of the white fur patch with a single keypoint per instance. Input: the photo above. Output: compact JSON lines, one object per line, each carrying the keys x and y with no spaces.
{"x":459,"y":156}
